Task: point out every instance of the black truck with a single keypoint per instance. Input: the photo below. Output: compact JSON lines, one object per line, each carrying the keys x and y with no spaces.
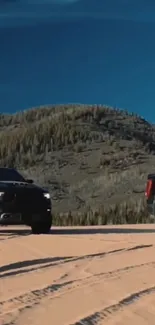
{"x":23,"y":202}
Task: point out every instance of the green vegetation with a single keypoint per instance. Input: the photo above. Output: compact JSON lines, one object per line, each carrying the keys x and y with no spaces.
{"x":93,"y":159}
{"x":132,"y":212}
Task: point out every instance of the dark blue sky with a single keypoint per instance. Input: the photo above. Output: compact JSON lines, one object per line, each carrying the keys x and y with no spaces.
{"x":89,"y":51}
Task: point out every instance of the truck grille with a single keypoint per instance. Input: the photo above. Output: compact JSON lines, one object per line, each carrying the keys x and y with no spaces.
{"x":29,"y":197}
{"x":29,"y":200}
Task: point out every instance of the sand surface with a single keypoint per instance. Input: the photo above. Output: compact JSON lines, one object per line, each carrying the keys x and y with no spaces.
{"x":101,"y":275}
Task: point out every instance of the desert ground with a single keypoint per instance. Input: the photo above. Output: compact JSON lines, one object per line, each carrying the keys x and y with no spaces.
{"x":78,"y":275}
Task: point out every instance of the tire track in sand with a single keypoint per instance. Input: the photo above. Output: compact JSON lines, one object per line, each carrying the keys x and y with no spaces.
{"x":18,"y":267}
{"x":10,"y":237}
{"x":34,"y":297}
{"x":103,"y":314}
{"x":7,"y":235}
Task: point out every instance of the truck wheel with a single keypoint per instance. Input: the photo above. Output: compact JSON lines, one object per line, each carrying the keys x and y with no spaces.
{"x":41,"y":227}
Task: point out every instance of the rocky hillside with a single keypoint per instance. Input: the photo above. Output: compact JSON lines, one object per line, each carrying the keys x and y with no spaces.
{"x":93,"y":159}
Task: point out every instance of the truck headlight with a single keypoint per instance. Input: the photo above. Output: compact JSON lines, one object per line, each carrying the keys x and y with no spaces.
{"x":47,"y":195}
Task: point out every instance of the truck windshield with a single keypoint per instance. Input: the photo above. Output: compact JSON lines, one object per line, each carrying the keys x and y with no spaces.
{"x":8,"y":174}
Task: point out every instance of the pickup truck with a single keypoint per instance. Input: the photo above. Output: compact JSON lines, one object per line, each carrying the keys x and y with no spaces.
{"x":150,"y":194}
{"x":23,"y":202}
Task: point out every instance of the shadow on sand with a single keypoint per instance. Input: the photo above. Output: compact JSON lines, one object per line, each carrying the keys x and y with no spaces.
{"x":20,"y":267}
{"x":80,"y":231}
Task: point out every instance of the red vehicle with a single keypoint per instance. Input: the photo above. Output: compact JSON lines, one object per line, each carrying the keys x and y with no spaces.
{"x":150,"y":194}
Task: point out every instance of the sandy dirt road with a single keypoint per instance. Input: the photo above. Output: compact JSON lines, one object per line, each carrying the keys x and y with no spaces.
{"x":73,"y":276}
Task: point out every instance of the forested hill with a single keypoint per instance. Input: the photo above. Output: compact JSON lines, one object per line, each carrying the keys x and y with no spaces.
{"x":87,"y":155}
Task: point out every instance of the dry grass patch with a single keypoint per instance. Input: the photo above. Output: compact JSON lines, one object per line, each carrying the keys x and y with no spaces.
{"x":131,"y":212}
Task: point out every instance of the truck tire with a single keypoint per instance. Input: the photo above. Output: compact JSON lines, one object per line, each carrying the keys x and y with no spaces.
{"x":41,"y":227}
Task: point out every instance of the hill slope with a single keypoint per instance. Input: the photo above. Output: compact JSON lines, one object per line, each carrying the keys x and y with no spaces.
{"x":93,"y":159}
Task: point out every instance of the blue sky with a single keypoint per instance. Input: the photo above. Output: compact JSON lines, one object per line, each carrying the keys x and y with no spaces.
{"x":117,"y":9}
{"x":89,"y":51}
